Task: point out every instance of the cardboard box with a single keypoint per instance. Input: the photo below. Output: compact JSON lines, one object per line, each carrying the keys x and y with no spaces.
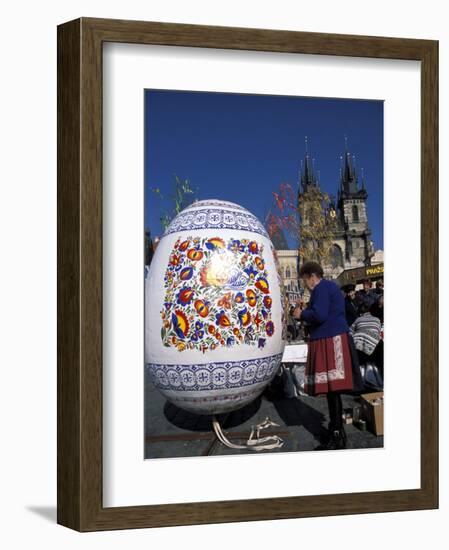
{"x":373,"y":411}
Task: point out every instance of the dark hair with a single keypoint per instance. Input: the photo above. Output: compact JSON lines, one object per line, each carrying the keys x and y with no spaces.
{"x":364,"y":308}
{"x":309,"y":268}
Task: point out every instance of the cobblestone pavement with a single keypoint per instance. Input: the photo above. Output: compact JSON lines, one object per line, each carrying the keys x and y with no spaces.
{"x":173,"y":432}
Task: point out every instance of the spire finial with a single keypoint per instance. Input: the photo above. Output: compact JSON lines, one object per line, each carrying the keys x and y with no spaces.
{"x":307,"y":148}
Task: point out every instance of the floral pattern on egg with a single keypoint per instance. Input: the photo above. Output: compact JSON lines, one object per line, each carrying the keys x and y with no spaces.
{"x":216,"y":294}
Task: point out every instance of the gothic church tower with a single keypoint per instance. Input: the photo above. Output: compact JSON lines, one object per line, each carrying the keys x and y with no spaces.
{"x":351,"y":208}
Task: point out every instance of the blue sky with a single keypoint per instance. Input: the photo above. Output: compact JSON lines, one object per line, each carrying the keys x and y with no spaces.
{"x":241,"y":147}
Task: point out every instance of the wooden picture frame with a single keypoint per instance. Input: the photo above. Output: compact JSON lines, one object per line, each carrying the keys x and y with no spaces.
{"x":80,"y":351}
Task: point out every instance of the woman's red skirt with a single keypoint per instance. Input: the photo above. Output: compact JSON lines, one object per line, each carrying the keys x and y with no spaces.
{"x":329,"y":366}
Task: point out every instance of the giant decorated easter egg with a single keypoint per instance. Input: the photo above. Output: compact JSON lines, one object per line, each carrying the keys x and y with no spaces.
{"x":214,"y":327}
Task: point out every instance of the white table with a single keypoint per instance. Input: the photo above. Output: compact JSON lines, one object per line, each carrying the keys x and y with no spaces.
{"x":295,"y":353}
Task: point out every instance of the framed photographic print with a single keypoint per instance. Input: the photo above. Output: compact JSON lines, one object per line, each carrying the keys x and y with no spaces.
{"x":235,"y":208}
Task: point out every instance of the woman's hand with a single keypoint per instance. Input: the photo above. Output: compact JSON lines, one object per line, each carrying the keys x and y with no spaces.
{"x":298,"y":309}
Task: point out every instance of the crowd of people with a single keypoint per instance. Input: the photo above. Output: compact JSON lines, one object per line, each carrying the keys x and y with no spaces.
{"x":364,"y":311}
{"x":344,"y":332}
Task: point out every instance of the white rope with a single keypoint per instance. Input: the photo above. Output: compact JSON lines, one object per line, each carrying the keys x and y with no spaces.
{"x":256,"y":443}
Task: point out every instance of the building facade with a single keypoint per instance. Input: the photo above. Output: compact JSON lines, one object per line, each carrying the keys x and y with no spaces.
{"x":288,"y":265}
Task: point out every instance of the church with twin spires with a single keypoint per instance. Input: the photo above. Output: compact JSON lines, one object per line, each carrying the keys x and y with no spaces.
{"x":346,"y":217}
{"x":348,"y":235}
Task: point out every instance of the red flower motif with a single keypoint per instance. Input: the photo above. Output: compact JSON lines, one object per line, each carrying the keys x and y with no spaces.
{"x":267,"y":301}
{"x":259,"y":263}
{"x":251,"y":297}
{"x":175,"y":259}
{"x":194,"y":254}
{"x":183,"y":246}
{"x":225,"y":301}
{"x":262,"y":285}
{"x":201,"y":307}
{"x":185,"y":296}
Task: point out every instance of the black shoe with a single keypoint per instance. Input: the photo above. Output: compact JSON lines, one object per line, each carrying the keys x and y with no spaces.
{"x":337,"y":440}
{"x":329,"y":430}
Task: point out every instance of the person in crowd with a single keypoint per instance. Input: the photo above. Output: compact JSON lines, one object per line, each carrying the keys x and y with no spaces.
{"x":332,"y":365}
{"x":351,"y":311}
{"x":366,"y":331}
{"x":366,"y":295}
{"x":291,"y":324}
{"x":377,"y":309}
{"x":379,"y":290}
